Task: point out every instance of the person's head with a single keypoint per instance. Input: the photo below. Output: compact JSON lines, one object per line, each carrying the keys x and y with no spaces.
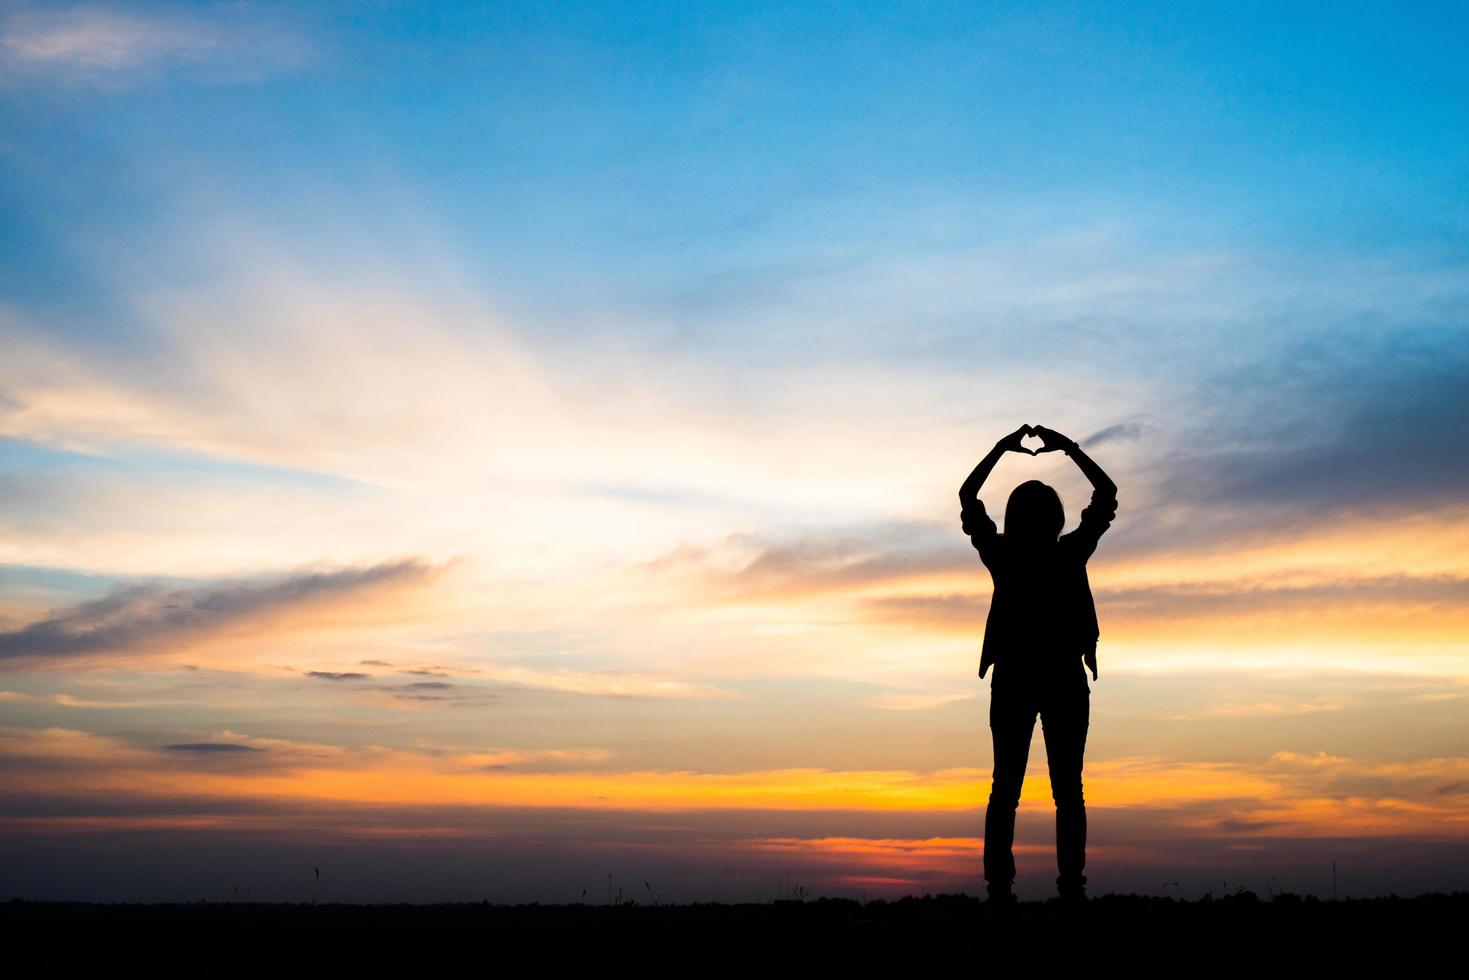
{"x":1034,"y":513}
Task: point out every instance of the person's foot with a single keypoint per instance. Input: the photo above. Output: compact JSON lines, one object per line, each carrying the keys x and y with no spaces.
{"x":1073,"y":897}
{"x":1002,"y":904}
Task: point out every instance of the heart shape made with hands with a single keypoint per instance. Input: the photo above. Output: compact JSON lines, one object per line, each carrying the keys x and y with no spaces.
{"x":1031,"y":443}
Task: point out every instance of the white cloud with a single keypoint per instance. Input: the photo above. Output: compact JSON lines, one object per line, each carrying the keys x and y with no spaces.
{"x":95,"y":43}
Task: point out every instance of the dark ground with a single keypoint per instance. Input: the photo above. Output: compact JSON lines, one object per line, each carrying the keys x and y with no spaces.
{"x":952,"y":933}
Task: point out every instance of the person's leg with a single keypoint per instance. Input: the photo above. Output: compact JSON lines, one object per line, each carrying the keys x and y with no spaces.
{"x":1012,"y":720}
{"x":1064,"y":721}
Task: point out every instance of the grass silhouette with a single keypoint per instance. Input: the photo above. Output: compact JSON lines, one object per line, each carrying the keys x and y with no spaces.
{"x":938,"y":931}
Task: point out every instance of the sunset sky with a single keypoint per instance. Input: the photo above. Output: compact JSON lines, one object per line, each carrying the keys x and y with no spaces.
{"x":478,"y":452}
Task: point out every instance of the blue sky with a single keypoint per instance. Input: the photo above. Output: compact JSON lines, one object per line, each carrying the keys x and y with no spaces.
{"x":642,"y":149}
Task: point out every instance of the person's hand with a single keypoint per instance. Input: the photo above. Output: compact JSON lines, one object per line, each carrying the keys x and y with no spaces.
{"x":1012,"y":441}
{"x":1052,"y":441}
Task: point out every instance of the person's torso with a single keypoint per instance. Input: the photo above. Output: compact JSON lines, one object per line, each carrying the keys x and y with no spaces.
{"x":1042,"y":619}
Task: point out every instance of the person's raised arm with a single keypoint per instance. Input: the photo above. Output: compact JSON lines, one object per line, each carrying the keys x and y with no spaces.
{"x":969,"y":490}
{"x":1054,"y":441}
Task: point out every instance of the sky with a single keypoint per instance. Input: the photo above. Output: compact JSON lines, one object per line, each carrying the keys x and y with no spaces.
{"x":509,"y":451}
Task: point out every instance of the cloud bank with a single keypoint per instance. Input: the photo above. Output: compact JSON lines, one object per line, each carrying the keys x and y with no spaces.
{"x":150,"y":618}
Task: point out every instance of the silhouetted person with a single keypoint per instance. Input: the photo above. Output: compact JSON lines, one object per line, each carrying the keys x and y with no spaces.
{"x":1042,"y":628}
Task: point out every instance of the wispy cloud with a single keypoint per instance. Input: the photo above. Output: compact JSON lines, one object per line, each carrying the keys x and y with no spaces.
{"x":795,"y":565}
{"x":102,"y":42}
{"x":70,"y":701}
{"x":335,"y":675}
{"x":213,"y":747}
{"x":607,"y":683}
{"x":916,"y":701}
{"x":1121,"y":432}
{"x":148,"y":618}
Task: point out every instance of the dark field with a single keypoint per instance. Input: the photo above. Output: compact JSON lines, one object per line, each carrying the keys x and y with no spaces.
{"x":950,"y":933}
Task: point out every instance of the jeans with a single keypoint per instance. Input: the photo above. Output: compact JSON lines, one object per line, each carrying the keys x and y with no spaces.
{"x":1064,"y":707}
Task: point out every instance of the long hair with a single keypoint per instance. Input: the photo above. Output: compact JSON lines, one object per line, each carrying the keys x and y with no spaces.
{"x":1034,"y":513}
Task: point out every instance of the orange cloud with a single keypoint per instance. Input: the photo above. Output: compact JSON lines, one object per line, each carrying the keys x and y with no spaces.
{"x":1288,"y":794}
